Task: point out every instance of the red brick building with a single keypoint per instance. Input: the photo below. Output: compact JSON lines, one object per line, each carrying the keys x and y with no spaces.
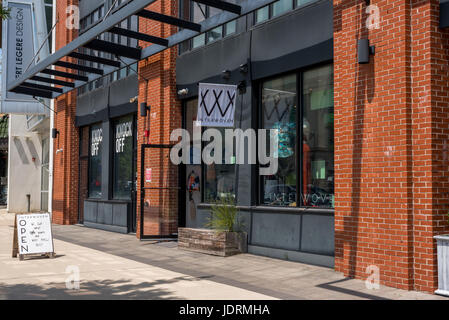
{"x":391,"y":133}
{"x":364,"y":178}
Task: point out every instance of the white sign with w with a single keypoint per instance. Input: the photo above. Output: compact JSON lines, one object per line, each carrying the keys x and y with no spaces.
{"x":216,"y":105}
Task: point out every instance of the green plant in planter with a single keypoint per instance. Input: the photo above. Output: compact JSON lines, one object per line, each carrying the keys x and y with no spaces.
{"x":224,"y":215}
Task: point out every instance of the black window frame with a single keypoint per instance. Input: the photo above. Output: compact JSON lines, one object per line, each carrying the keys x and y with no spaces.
{"x":112,"y":175}
{"x":299,"y":136}
{"x":204,"y":171}
{"x":203,"y":166}
{"x":100,"y":124}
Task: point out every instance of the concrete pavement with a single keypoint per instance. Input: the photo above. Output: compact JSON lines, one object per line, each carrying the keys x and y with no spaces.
{"x":116,"y":266}
{"x":102,"y":276}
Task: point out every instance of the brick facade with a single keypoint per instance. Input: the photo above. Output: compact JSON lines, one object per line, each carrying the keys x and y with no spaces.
{"x":157,"y":87}
{"x":391,"y":140}
{"x":390,"y":133}
{"x":65,"y":174}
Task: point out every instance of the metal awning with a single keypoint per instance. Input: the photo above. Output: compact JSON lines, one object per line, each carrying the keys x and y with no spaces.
{"x":38,"y":80}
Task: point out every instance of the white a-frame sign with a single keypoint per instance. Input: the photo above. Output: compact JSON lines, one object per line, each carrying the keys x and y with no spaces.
{"x":33,"y":235}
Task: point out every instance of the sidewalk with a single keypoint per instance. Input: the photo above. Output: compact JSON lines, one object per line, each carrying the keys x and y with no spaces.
{"x":116,"y":266}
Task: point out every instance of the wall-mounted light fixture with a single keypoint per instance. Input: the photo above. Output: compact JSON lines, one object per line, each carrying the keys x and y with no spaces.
{"x":144,"y":109}
{"x":242,"y":87}
{"x":364,"y":51}
{"x":226,"y":74}
{"x":244,"y":68}
{"x":54,"y":133}
{"x":183,"y":92}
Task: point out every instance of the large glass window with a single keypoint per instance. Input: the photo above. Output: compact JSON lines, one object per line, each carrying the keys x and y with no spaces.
{"x":96,"y":146}
{"x":220,"y":178}
{"x":123,"y":158}
{"x":279,"y":112}
{"x":308,"y":166}
{"x":318,"y":138}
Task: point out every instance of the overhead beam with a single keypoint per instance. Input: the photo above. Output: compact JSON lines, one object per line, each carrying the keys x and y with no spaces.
{"x":114,"y":48}
{"x":78,"y":67}
{"x":170,"y":20}
{"x":41,"y":87}
{"x":65,"y":75}
{"x":53,"y":81}
{"x":223,"y":5}
{"x":139,"y":36}
{"x":117,"y":17}
{"x":86,"y":57}
{"x":33,"y":92}
{"x":131,"y":8}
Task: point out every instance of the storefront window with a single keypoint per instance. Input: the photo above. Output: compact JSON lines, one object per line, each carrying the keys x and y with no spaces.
{"x":123,"y":158}
{"x":220,"y":179}
{"x":279,"y":112}
{"x":96,"y":142}
{"x":312,"y":171}
{"x":318,"y":138}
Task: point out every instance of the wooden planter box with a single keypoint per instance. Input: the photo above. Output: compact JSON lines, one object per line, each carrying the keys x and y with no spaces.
{"x":443,"y":265}
{"x":218,"y":243}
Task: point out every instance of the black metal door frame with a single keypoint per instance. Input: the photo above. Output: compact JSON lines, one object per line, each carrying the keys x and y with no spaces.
{"x":143,"y":189}
{"x":133,"y":223}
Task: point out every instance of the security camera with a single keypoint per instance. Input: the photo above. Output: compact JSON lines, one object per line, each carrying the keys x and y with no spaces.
{"x":183,"y":92}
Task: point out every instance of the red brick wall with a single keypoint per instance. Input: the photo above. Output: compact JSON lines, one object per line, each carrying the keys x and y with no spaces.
{"x":389,"y":128}
{"x":157,"y":87}
{"x":65,"y":174}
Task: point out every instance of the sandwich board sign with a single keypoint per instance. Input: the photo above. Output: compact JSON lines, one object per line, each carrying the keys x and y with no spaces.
{"x":32,"y":235}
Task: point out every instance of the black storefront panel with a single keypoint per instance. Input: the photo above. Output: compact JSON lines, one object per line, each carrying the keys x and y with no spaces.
{"x":287,"y":45}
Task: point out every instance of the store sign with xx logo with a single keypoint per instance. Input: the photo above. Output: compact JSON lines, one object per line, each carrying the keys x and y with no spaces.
{"x":216,"y":105}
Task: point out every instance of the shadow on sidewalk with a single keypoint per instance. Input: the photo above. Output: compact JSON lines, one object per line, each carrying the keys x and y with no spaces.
{"x":332,"y":286}
{"x":105,"y":289}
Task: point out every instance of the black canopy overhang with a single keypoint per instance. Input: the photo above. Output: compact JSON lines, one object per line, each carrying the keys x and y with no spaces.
{"x":40,"y":88}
